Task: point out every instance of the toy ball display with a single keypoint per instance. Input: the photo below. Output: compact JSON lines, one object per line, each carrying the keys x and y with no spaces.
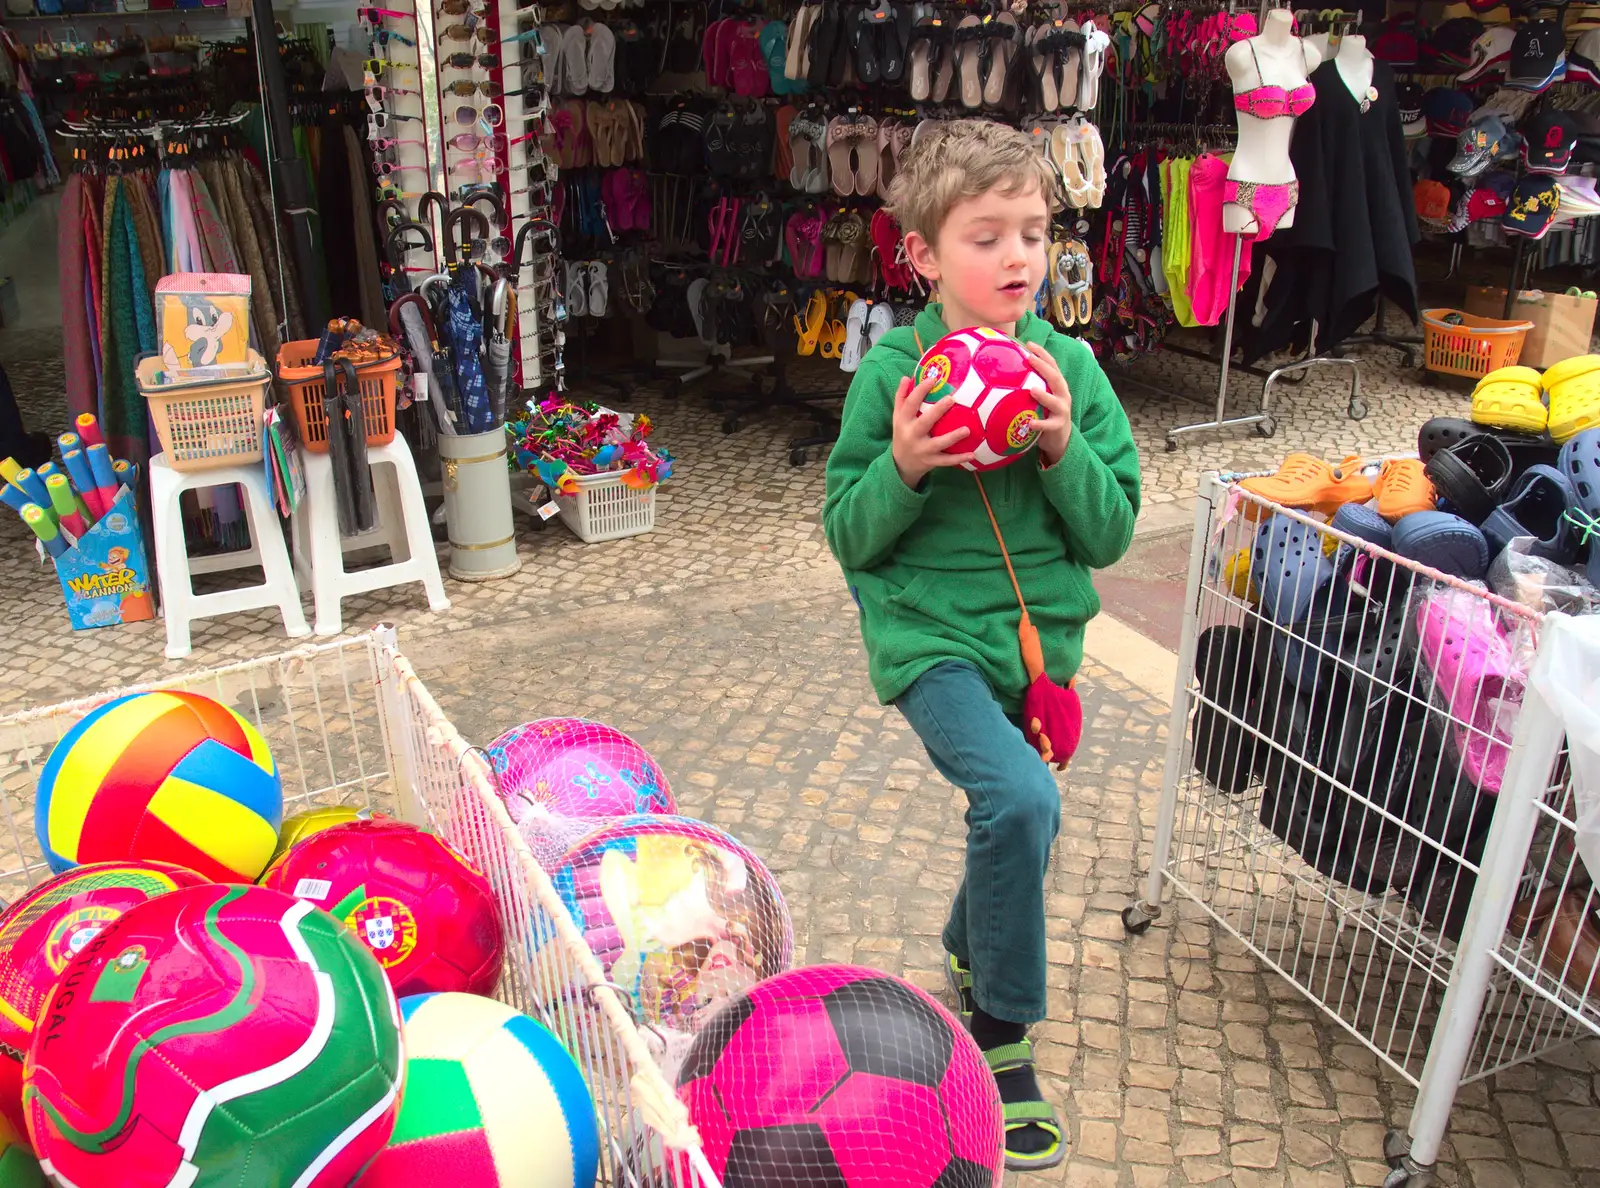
{"x":422,"y":910}
{"x":212,"y":1030}
{"x":165,"y":776}
{"x":847,"y":1077}
{"x":492,"y":1100}
{"x":680,"y":914}
{"x":577,"y":768}
{"x":996,"y":390}
{"x":302,"y":825}
{"x":47,"y":928}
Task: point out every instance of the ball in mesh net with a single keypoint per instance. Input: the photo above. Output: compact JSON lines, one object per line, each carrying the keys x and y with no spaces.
{"x":835,"y":1076}
{"x":573,"y":767}
{"x":681,"y":915}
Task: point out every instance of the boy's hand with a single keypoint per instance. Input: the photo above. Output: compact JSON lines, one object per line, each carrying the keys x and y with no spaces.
{"x":916,"y":451}
{"x":1055,"y":427}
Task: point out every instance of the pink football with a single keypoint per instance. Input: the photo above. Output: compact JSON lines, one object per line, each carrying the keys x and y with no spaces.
{"x":844,"y":1076}
{"x":996,"y":392}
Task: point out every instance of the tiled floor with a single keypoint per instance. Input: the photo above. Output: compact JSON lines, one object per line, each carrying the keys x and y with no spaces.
{"x":725,"y":642}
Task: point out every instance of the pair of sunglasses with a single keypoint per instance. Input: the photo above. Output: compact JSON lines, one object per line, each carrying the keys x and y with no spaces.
{"x":385,"y":168}
{"x":480,"y":34}
{"x":490,"y":115}
{"x":486,"y":164}
{"x":372,"y":16}
{"x":386,"y":145}
{"x":465,"y":61}
{"x":462,"y":7}
{"x":385,"y":36}
{"x":467,"y":87}
{"x":471,"y":142}
{"x":377,"y":66}
{"x":378,"y":121}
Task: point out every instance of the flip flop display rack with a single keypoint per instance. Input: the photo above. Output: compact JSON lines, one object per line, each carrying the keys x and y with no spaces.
{"x":724,"y":167}
{"x":1384,"y":752}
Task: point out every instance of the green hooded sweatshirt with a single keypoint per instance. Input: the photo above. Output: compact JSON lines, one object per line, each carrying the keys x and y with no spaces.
{"x":923,"y":565}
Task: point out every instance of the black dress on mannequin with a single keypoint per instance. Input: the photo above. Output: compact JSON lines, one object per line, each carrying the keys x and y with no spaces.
{"x":1354,"y":227}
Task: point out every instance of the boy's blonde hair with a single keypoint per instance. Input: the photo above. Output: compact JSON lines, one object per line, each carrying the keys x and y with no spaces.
{"x":959,"y":159}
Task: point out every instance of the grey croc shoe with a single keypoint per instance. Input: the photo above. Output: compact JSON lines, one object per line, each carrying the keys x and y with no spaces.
{"x":1538,"y":507}
{"x":1444,"y":542}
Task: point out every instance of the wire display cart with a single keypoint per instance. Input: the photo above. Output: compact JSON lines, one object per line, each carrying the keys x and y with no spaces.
{"x":350,"y":723}
{"x":1364,"y":788}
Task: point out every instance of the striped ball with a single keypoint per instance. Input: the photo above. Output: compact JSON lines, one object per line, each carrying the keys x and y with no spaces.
{"x":492,"y":1100}
{"x":164,"y":776}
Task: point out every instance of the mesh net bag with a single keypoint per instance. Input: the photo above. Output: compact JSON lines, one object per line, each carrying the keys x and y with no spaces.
{"x":842,"y":1076}
{"x":681,"y":916}
{"x":577,"y":768}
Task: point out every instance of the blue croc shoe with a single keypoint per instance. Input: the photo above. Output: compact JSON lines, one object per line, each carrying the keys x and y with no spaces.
{"x":1444,"y":542}
{"x":1538,"y":507}
{"x":1580,"y":463}
{"x":1363,"y":522}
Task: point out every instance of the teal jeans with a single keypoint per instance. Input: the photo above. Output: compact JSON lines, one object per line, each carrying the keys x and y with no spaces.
{"x":996,"y":925}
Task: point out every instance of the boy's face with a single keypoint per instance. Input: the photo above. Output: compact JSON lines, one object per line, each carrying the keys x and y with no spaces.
{"x":990,"y":258}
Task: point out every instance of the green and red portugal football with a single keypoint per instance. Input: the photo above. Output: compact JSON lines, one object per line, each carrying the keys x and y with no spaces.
{"x":215,"y":1035}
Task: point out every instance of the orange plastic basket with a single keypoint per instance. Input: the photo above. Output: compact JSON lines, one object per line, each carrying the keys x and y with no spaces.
{"x":1474,"y":348}
{"x":303,"y":385}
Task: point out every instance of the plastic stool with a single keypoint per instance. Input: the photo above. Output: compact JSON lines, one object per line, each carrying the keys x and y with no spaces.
{"x":180,"y":604}
{"x":319,"y":548}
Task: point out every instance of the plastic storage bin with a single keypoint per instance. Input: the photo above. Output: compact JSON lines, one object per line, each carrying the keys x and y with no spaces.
{"x":1476,"y":347}
{"x":606,"y":508}
{"x":206,"y":423}
{"x":303,"y":388}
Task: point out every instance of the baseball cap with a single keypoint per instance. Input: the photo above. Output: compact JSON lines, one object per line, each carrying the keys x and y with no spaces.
{"x":1583,"y":18}
{"x":1479,"y":144}
{"x":1548,"y":141}
{"x":1398,"y":47}
{"x":1408,"y":98}
{"x":1583,"y":62}
{"x":1490,"y":53}
{"x":1484,"y":203}
{"x":1532,"y":207}
{"x":1446,"y":110}
{"x":1451,"y":43}
{"x":1432,"y":199}
{"x":1538,"y":56}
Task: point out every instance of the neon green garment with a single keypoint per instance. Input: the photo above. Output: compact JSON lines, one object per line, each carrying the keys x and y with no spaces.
{"x":1177,"y":244}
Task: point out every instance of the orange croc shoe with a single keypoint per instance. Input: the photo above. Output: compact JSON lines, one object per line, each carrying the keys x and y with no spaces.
{"x":1307,"y":483}
{"x":1403,"y":487}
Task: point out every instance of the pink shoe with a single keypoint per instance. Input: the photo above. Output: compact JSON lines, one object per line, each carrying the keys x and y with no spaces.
{"x":1462,"y":644}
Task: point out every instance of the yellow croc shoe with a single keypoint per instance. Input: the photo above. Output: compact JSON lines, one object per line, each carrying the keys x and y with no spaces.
{"x":1510,"y":404}
{"x":1515,"y":375}
{"x":1569,"y":369}
{"x":1574,"y":406}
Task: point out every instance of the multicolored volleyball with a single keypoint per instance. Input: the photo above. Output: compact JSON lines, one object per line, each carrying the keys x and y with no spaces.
{"x":419,"y":907}
{"x":164,"y":776}
{"x":682,"y":916}
{"x":492,"y":1101}
{"x":302,"y":825}
{"x":216,"y":1035}
{"x":577,"y":768}
{"x":47,"y":928}
{"x":996,"y":394}
{"x":847,"y":1077}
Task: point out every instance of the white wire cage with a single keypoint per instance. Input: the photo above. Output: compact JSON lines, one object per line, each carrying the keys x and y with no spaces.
{"x":350,"y":723}
{"x":1338,"y":782}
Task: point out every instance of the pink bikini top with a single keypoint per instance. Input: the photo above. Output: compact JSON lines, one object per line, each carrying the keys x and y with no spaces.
{"x":1268,"y":102}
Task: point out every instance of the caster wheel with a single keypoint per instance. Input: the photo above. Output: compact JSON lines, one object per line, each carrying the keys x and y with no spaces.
{"x":797,"y":457}
{"x":1266,"y":428}
{"x":1396,"y":1146}
{"x":1172,"y":445}
{"x":1134,"y":921}
{"x":730,"y":425}
{"x":1358,"y":409}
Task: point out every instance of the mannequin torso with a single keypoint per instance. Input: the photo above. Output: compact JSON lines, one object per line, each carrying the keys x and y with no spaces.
{"x":1274,"y":58}
{"x":1354,"y":64}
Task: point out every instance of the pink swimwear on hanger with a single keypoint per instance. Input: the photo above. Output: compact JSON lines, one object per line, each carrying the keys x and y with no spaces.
{"x":1211,"y":248}
{"x":1270,"y":103}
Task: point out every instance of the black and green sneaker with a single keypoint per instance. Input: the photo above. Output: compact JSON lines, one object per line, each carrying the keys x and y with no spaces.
{"x":960,"y":979}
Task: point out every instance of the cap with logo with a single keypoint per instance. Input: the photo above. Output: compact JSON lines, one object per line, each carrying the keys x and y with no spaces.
{"x":1432,"y":199}
{"x":1408,"y":99}
{"x":1479,"y":144}
{"x":1532,"y":207}
{"x":1447,"y":111}
{"x":1547,"y":142}
{"x":1484,"y":203}
{"x":1398,"y":47}
{"x":1490,"y":53}
{"x":1538,"y":56}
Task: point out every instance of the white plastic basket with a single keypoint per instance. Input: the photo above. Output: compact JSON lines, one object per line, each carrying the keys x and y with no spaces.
{"x":606,"y":508}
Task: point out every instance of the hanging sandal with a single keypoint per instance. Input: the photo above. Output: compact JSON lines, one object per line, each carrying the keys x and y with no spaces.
{"x":1063,"y":311}
{"x":1020,"y":1115}
{"x":1065,"y":160}
{"x":967,"y":56}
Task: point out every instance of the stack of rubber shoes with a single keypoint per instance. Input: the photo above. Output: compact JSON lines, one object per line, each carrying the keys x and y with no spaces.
{"x":1572,"y":389}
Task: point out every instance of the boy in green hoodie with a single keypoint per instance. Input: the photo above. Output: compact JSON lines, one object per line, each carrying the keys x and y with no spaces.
{"x":938,"y":612}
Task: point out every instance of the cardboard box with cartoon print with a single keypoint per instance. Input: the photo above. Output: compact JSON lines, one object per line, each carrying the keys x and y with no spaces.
{"x":203,"y":319}
{"x":105,"y":577}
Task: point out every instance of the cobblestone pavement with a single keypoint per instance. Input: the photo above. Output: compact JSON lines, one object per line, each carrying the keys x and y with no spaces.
{"x":724,"y":642}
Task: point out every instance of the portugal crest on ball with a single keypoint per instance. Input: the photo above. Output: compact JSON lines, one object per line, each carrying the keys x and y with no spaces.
{"x":996,"y":394}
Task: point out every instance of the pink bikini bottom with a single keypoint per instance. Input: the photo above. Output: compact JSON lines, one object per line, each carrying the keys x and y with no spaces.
{"x":1267,"y":202}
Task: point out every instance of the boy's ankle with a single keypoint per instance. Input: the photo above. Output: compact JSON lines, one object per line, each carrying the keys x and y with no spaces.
{"x":990,"y":1033}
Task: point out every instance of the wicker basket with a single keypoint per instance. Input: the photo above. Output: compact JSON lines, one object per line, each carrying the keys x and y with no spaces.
{"x":206,"y":423}
{"x":1474,"y":348}
{"x":303,"y":388}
